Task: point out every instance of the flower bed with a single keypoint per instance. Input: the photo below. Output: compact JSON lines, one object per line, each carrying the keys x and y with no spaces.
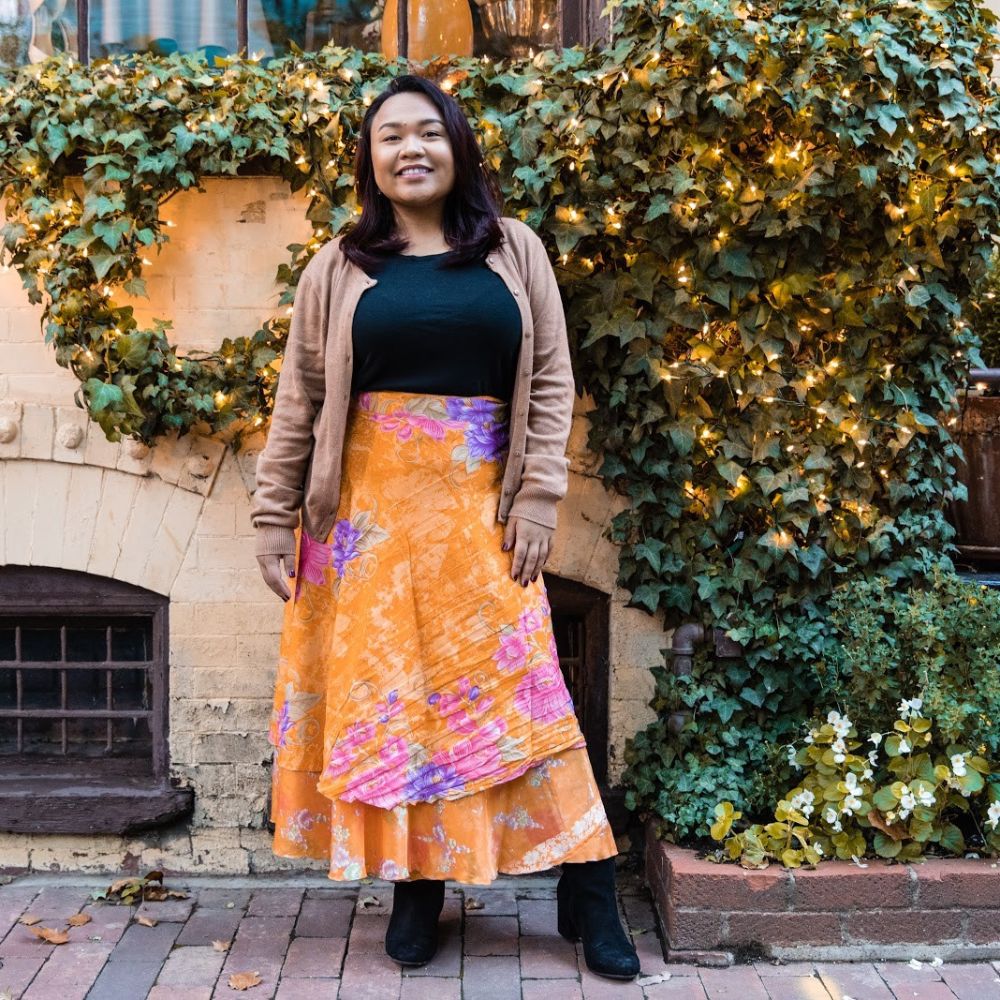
{"x":711,"y":913}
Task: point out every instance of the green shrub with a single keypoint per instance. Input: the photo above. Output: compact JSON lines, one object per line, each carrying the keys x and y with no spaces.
{"x":898,"y":799}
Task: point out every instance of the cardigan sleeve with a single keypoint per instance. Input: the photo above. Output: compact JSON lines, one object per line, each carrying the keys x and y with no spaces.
{"x":545,"y":474}
{"x":281,"y":466}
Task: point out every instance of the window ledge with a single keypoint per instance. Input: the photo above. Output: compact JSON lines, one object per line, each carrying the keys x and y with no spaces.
{"x":64,"y":799}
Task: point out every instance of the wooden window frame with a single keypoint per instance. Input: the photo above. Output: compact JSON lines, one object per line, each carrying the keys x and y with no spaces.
{"x":46,"y":794}
{"x":581,"y":25}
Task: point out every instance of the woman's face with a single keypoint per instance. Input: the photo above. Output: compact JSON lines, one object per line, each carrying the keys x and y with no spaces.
{"x":407,"y":131}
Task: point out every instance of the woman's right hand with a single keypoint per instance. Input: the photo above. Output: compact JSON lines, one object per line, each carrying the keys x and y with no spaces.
{"x":274,"y":568}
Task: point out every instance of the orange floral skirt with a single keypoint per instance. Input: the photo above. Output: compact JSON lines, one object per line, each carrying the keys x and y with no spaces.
{"x":421,"y":724}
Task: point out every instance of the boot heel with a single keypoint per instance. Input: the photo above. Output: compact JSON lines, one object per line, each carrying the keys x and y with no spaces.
{"x":564,"y":921}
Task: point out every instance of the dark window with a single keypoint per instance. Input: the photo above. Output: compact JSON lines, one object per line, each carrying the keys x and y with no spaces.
{"x":92,"y":29}
{"x":83,"y":704}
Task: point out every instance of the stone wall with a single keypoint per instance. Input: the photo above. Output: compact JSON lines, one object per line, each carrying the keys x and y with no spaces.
{"x":175,"y":519}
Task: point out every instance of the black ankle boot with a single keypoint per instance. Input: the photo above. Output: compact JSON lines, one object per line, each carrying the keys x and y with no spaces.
{"x":588,"y":911}
{"x":412,"y":935}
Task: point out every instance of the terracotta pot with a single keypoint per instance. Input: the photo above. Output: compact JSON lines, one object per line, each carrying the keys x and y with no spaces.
{"x":434,"y":28}
{"x":976,"y":519}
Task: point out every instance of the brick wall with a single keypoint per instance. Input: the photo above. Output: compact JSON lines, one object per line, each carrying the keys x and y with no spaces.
{"x":948,"y":908}
{"x":175,"y":519}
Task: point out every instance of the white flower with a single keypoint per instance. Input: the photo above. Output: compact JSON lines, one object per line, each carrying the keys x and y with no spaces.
{"x":851,"y":782}
{"x":993,"y":814}
{"x":915,"y":963}
{"x":936,"y":962}
{"x":809,"y":738}
{"x":873,"y":757}
{"x":830,"y":815}
{"x":875,"y":738}
{"x":803,"y":802}
{"x":791,"y":759}
{"x":907,"y":802}
{"x":837,"y":827}
{"x":904,"y":747}
{"x":926,"y":797}
{"x":867,"y":774}
{"x":851,"y":803}
{"x":819,"y":849}
{"x":908,"y":708}
{"x":958,"y":764}
{"x":841,"y":724}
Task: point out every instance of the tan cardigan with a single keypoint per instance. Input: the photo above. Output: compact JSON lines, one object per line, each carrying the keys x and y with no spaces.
{"x":298,"y":472}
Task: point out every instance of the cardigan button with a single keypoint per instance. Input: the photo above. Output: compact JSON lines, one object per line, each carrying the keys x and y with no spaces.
{"x":516,"y":292}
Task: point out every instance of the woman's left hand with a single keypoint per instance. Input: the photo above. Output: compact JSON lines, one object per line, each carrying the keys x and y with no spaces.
{"x":531,"y":543}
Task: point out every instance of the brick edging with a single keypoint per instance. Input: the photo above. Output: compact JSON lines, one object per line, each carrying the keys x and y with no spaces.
{"x":837,"y":911}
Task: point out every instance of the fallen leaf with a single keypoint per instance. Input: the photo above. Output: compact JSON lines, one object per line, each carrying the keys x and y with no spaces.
{"x":365,"y":901}
{"x":28,"y":919}
{"x":178,"y":894}
{"x":915,"y":963}
{"x":154,"y":876}
{"x":79,"y":919}
{"x":244,"y":980}
{"x":50,"y":934}
{"x":858,"y":861}
{"x":146,"y":921}
{"x":661,"y":977}
{"x":897,"y":831}
{"x":6,"y":995}
{"x":936,"y":961}
{"x":229,"y":906}
{"x":474,"y":903}
{"x":120,"y":884}
{"x":221,"y":945}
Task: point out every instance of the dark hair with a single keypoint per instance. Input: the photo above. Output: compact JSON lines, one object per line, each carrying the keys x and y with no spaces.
{"x":472,"y":208}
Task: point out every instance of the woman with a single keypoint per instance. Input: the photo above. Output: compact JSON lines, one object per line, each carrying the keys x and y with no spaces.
{"x":421,"y":725}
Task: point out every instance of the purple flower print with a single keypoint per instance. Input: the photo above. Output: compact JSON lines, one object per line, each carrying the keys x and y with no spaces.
{"x":282,"y":724}
{"x":389,"y":708}
{"x":314,"y":557}
{"x":487,"y":441}
{"x":486,"y":431}
{"x":513,"y":651}
{"x":341,"y":759}
{"x":345,"y":544}
{"x":359,"y":732}
{"x":394,"y":753}
{"x":531,"y":620}
{"x":403,"y":424}
{"x":459,"y":710}
{"x":476,"y":408}
{"x":542,"y":696}
{"x":432,"y":780}
{"x":478,"y":755}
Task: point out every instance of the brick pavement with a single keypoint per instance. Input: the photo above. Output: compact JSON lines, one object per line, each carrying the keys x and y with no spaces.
{"x":308,"y":938}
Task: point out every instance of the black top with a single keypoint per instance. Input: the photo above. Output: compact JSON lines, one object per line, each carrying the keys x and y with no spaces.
{"x":449,"y":331}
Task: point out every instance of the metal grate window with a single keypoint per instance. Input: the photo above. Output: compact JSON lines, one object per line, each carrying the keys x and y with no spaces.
{"x":83,"y":705}
{"x":73,"y":685}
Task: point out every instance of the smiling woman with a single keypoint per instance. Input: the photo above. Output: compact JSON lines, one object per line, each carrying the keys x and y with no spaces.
{"x":421,"y":721}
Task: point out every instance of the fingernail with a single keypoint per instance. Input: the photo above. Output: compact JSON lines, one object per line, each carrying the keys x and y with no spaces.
{"x":291,"y":572}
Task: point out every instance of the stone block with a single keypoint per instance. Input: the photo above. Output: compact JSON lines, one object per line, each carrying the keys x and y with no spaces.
{"x":37,"y":431}
{"x":69,"y":441}
{"x":52,"y":497}
{"x":112,"y":518}
{"x":81,"y":505}
{"x":841,"y":885}
{"x":99,"y":450}
{"x":11,"y":431}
